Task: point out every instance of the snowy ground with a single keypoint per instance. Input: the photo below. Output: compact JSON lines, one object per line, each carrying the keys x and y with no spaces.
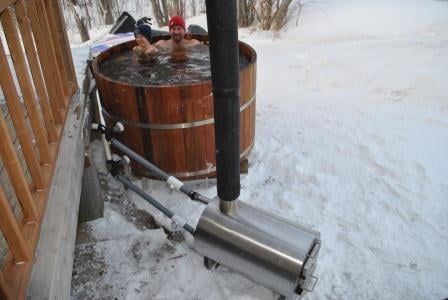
{"x":351,"y":139}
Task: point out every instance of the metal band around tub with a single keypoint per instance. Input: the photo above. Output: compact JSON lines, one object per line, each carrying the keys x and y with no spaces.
{"x":209,"y":170}
{"x":170,"y":126}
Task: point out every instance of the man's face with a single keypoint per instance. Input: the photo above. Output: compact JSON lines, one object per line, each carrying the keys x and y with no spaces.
{"x":177,"y":33}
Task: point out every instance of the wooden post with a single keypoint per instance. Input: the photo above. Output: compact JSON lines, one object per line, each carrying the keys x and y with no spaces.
{"x":46,"y":27}
{"x":18,"y":119}
{"x":53,"y":34}
{"x":25,"y":28}
{"x":11,"y":231}
{"x":6,"y":3}
{"x":5,"y":290}
{"x":20,"y":63}
{"x":45,"y":62}
{"x":15,"y":172}
{"x":65,"y":45}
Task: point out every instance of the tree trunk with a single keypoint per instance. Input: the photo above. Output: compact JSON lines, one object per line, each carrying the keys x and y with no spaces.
{"x":158,"y":13}
{"x":108,"y":17}
{"x":80,"y":21}
{"x":117,"y":8}
{"x":175,"y":8}
{"x":242,"y":13}
{"x":83,"y":4}
{"x":193,"y":7}
{"x":265,"y":14}
{"x":165,"y":10}
{"x":246,"y":12}
{"x":251,"y":11}
{"x":280,"y":16}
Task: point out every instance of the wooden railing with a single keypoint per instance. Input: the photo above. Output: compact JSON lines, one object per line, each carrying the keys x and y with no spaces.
{"x":37,"y":83}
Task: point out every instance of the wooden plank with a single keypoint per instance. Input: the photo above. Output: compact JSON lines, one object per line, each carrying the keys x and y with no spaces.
{"x":246,"y":129}
{"x":140,"y":104}
{"x":4,"y":4}
{"x":14,"y":107}
{"x":143,"y":100}
{"x":18,"y":273}
{"x":170,"y":113}
{"x":253,"y":83}
{"x":210,"y":156}
{"x":126,"y":98}
{"x":57,"y":48}
{"x":176,"y":139}
{"x":244,"y":125}
{"x":195,"y":92}
{"x":5,"y":290}
{"x":49,"y":49}
{"x":154,"y":94}
{"x":52,"y":267}
{"x":11,"y":231}
{"x":189,"y":146}
{"x":16,"y":142}
{"x":25,"y":83}
{"x":243,"y":100}
{"x":103,"y":93}
{"x":26,"y":30}
{"x":45,"y":19}
{"x":42,"y":43}
{"x":65,"y":45}
{"x":12,"y":165}
{"x":124,"y":105}
{"x":9,"y":192}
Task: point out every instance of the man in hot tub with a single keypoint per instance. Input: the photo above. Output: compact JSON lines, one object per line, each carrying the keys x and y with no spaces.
{"x":177,"y":33}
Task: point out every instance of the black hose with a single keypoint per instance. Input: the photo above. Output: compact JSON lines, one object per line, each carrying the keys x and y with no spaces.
{"x":224,"y":60}
{"x":156,"y":171}
{"x":146,"y":164}
{"x":125,"y":181}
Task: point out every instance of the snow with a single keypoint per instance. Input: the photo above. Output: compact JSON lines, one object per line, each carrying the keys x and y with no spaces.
{"x":351,"y":140}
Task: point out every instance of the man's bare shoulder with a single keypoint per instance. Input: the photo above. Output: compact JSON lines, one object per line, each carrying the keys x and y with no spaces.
{"x":163,"y":43}
{"x":194,"y":42}
{"x":191,"y":42}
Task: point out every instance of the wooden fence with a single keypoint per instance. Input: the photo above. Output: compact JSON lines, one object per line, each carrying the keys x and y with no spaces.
{"x":37,"y":81}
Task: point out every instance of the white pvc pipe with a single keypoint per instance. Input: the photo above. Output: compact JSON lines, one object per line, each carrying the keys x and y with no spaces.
{"x":102,"y":122}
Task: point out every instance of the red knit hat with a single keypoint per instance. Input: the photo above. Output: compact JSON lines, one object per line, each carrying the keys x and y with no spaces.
{"x":176,"y":21}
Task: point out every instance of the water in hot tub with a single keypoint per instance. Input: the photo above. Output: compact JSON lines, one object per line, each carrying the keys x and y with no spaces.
{"x":167,"y":67}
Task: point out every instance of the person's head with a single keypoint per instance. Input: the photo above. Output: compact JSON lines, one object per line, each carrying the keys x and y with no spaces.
{"x":177,"y":28}
{"x":142,"y":34}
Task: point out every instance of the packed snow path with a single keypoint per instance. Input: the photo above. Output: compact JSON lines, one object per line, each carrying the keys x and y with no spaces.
{"x":351,"y":139}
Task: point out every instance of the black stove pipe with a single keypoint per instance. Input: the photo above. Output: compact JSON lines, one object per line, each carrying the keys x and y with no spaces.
{"x":224,"y":60}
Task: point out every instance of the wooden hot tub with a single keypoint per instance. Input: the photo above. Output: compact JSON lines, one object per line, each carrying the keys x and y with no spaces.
{"x":172,"y":125}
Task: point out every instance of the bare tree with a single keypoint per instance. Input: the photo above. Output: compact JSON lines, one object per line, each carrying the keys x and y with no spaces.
{"x":159,"y":9}
{"x":164,"y":9}
{"x":246,"y":12}
{"x":107,"y":8}
{"x":280,"y":17}
{"x":79,"y":19}
{"x":301,"y":4}
{"x":193,"y":7}
{"x":266,"y":14}
{"x":273,"y":14}
{"x":175,"y":7}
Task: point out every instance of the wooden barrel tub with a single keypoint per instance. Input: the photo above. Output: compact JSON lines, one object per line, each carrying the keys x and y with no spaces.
{"x":172,"y":125}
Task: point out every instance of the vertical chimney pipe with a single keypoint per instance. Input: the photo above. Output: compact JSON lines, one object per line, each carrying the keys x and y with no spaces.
{"x":224,"y":60}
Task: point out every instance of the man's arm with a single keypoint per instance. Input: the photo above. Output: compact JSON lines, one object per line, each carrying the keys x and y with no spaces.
{"x":194,"y":42}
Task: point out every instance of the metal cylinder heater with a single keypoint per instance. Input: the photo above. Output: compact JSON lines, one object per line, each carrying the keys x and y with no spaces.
{"x":267,"y":249}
